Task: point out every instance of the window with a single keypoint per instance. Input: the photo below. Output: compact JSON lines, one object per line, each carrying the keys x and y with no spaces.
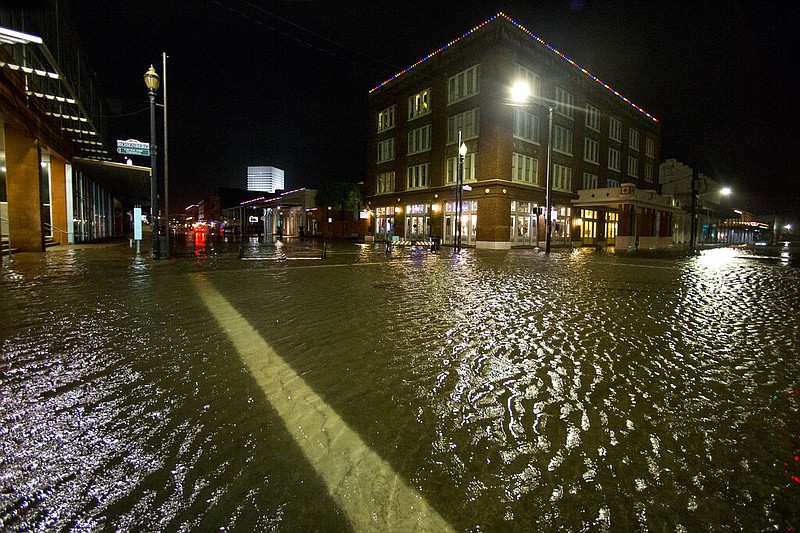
{"x":613,"y":159}
{"x":386,"y":150}
{"x":633,"y":166}
{"x":591,"y":151}
{"x":419,"y":104}
{"x":633,"y":139}
{"x":526,"y":126}
{"x":419,"y":140}
{"x":462,"y":85}
{"x":615,"y":129}
{"x":562,"y":178}
{"x":589,"y":181}
{"x":565,"y":101}
{"x":470,"y":168}
{"x":385,"y":182}
{"x":533,"y":80}
{"x":592,"y":117}
{"x":649,"y":147}
{"x":562,"y":140}
{"x":613,"y":184}
{"x":386,"y":119}
{"x":648,"y":172}
{"x":524,"y":169}
{"x":467,"y":122}
{"x":417,"y":177}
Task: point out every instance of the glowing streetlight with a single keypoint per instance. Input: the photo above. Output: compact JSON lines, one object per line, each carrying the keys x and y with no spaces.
{"x":462,"y":152}
{"x":152,"y":81}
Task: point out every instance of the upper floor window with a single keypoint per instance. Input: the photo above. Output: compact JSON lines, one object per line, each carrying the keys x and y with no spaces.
{"x":386,"y":119}
{"x":648,"y":172}
{"x":592,"y":117}
{"x":463,"y":85}
{"x":589,"y":180}
{"x":466,"y":122}
{"x":533,"y":80}
{"x":591,"y":151}
{"x":526,"y":125}
{"x":470,"y":168}
{"x":633,"y":166}
{"x":417,"y":177}
{"x":615,"y":129}
{"x":613,"y":159}
{"x":562,"y":178}
{"x":524,"y":168}
{"x":633,"y":139}
{"x":562,"y":140}
{"x":386,"y":150}
{"x":613,"y":184}
{"x":419,"y":104}
{"x":385,"y":182}
{"x":649,"y":147}
{"x":419,"y":140}
{"x":565,"y":102}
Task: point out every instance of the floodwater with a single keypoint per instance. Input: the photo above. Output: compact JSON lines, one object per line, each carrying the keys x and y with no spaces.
{"x":410,"y":391}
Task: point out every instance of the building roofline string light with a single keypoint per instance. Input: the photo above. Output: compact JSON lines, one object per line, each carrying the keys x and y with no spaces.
{"x":533,"y":36}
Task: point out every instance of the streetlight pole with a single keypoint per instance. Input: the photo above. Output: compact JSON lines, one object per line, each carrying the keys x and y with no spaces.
{"x":520,"y":93}
{"x":548,"y":183}
{"x":152,"y":81}
{"x":462,"y":151}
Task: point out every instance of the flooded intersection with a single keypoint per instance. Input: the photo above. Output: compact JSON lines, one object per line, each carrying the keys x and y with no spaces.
{"x":493,"y":391}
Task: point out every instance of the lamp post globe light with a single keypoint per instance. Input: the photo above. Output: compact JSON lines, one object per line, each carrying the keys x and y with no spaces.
{"x":521,"y":93}
{"x":462,"y":152}
{"x":152,"y":81}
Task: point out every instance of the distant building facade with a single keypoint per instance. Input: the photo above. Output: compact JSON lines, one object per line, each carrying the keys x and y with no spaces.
{"x":604,"y":150}
{"x":265,"y":179}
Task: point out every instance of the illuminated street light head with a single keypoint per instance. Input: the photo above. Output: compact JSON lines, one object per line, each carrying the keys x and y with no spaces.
{"x":726,"y":191}
{"x":520,"y":91}
{"x":462,"y":149}
{"x":151,"y":79}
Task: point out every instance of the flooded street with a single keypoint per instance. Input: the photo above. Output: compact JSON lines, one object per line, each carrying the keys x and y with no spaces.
{"x":485,"y":391}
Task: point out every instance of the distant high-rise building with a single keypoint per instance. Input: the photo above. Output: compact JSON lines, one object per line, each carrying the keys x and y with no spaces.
{"x":267,"y":179}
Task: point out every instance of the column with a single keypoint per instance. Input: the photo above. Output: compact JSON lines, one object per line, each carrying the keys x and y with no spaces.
{"x":24,"y":190}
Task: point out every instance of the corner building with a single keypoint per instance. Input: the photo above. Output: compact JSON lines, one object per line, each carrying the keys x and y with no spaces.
{"x":604,"y":149}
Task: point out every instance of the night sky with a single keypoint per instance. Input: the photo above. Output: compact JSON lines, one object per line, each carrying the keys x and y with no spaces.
{"x":285,"y":83}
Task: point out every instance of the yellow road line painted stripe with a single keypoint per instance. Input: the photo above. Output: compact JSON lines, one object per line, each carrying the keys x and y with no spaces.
{"x":362,"y":484}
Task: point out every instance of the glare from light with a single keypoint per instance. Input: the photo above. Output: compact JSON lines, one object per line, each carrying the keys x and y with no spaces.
{"x":520,"y":91}
{"x":725,"y":191}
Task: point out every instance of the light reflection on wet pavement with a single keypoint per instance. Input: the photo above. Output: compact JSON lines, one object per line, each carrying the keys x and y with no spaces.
{"x":512,"y":391}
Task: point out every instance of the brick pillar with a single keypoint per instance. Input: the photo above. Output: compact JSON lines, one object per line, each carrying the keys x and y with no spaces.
{"x":58,"y":198}
{"x":494,"y":219}
{"x":24,"y":191}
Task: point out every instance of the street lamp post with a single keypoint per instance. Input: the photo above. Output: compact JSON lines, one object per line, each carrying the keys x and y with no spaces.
{"x":462,"y":152}
{"x":520,"y":93}
{"x":152,"y":82}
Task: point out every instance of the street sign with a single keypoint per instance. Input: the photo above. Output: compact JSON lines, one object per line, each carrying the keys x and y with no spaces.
{"x":133,"y":147}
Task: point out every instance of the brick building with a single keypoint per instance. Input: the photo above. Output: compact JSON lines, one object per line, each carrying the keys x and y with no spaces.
{"x":604,"y":149}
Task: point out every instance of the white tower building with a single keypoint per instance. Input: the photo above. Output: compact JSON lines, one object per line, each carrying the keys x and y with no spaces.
{"x":267,"y":179}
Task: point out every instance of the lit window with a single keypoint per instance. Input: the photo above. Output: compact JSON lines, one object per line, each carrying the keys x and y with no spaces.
{"x":419,"y":104}
{"x":386,"y":119}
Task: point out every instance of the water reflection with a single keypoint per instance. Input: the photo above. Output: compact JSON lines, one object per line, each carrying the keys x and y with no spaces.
{"x":511,"y":390}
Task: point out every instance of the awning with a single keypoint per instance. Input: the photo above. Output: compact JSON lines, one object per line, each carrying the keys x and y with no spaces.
{"x":127,"y":182}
